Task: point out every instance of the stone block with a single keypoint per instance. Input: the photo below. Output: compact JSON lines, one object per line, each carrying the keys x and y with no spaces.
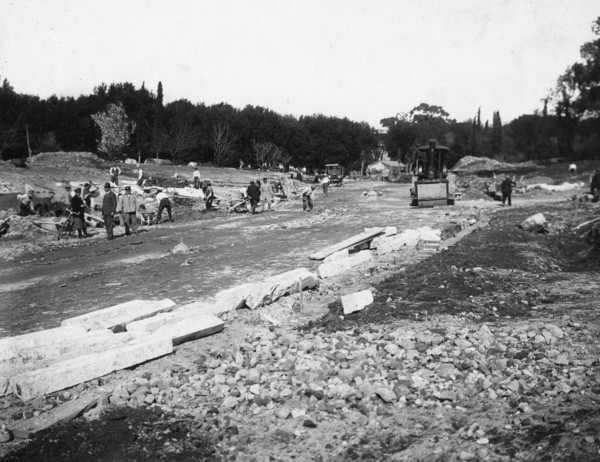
{"x":357,"y":301}
{"x":332,"y":268}
{"x":64,"y":374}
{"x":121,"y":314}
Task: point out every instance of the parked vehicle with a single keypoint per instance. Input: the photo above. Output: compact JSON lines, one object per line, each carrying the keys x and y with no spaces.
{"x":335,"y":172}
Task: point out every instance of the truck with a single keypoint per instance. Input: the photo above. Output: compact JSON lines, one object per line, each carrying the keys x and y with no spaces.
{"x":431,"y":186}
{"x":335,"y":173}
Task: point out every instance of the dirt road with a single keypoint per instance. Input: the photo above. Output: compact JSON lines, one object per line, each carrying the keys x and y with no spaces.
{"x":73,"y":277}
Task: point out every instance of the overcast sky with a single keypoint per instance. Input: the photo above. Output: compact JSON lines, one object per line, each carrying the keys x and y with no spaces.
{"x":361,"y":59}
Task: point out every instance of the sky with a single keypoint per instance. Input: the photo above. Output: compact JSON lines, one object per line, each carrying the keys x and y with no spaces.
{"x":361,"y":59}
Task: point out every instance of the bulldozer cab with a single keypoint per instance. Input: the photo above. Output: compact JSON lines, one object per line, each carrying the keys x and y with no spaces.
{"x":430,"y":162}
{"x":431,"y":187}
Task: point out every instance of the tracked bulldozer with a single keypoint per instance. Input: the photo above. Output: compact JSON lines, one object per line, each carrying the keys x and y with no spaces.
{"x":431,"y":186}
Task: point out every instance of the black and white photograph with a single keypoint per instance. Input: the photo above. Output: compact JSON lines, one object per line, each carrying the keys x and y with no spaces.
{"x":299,"y":230}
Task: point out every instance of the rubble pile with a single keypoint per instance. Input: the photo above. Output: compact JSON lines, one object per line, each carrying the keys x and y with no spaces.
{"x":306,"y":380}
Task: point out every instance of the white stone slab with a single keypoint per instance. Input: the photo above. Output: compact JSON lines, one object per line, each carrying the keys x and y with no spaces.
{"x":8,"y":345}
{"x":357,"y":301}
{"x":66,"y":374}
{"x":333,"y":268}
{"x":120,"y":314}
{"x":275,"y":287}
{"x":191,"y":328}
{"x":406,"y":239}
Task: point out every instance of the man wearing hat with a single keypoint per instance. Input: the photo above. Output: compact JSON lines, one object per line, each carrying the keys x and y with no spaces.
{"x":209,"y":195}
{"x":128,"y":205}
{"x":78,"y":208}
{"x":109,"y":207}
{"x":253,"y":192}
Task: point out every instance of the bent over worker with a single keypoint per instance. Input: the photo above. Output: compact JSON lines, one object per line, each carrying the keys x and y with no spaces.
{"x":307,"y":201}
{"x":163,"y":203}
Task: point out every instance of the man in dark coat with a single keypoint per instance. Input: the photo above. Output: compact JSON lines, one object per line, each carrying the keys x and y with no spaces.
{"x":254,"y":195}
{"x":109,"y":207}
{"x":506,"y":188}
{"x":78,"y":208}
{"x":209,"y":195}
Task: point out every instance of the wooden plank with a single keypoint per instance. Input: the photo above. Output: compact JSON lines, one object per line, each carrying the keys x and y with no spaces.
{"x":120,"y":315}
{"x":348,"y":243}
{"x":190,"y":328}
{"x":69,"y":373}
{"x":585,"y":223}
{"x":60,"y":414}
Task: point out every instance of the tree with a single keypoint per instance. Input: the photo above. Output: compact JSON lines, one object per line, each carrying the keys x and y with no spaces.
{"x":496,"y":133}
{"x":577,"y":92}
{"x":181,"y":138}
{"x":266,"y":153}
{"x":223,"y":141}
{"x":116,"y":129}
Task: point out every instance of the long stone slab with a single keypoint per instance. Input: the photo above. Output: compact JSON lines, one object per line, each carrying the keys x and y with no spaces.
{"x":40,"y":357}
{"x":120,"y":315}
{"x":60,"y":346}
{"x":348,"y":243}
{"x":275,"y":287}
{"x":59,"y":376}
{"x":190,"y":328}
{"x":39,"y":339}
{"x":335,"y":267}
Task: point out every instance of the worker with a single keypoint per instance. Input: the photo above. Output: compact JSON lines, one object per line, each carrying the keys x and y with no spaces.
{"x":325,"y":183}
{"x":209,"y":195}
{"x":279,"y":190}
{"x":307,"y":200}
{"x":78,"y":210}
{"x":506,"y":189}
{"x":128,"y":206}
{"x":26,"y":204}
{"x":595,"y":185}
{"x":253,"y":192}
{"x":266,"y":194}
{"x":140,"y":180}
{"x":196,"y":177}
{"x":109,"y":207}
{"x":4,"y":226}
{"x":115,"y":171}
{"x":163,"y":203}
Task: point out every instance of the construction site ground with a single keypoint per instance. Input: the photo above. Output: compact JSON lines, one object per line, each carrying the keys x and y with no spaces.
{"x":487,"y":350}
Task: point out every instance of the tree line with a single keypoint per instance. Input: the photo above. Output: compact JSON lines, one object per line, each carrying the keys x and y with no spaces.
{"x":120,"y":120}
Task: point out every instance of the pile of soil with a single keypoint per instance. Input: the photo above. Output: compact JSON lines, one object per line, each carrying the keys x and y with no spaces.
{"x":471,"y":164}
{"x":67,"y":159}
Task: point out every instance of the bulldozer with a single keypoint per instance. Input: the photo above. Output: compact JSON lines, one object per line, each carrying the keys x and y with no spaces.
{"x":431,"y":186}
